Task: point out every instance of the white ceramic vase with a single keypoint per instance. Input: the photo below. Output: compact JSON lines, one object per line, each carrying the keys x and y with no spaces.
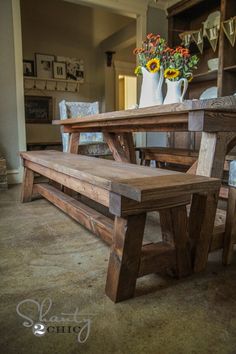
{"x":151,"y":90}
{"x":175,"y":91}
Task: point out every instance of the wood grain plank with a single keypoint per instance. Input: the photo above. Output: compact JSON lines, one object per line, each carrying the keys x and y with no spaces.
{"x":97,"y":194}
{"x":122,"y":206}
{"x":208,"y":121}
{"x":94,"y":221}
{"x":229,"y":103}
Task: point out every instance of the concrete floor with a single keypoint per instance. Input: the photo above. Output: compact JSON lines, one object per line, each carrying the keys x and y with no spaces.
{"x":45,"y":254}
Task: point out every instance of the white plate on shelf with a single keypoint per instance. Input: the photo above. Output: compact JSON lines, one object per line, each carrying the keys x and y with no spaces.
{"x":211,"y":92}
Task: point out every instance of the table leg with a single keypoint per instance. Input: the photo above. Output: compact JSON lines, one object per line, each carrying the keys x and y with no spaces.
{"x":120,"y":153}
{"x":73,"y":148}
{"x":213,"y":149}
{"x":127,"y":142}
{"x":27,"y":185}
{"x":125,"y":257}
{"x":74,"y":143}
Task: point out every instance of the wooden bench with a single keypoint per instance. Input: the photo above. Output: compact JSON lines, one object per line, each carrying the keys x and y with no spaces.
{"x":163,"y":155}
{"x":129,"y":191}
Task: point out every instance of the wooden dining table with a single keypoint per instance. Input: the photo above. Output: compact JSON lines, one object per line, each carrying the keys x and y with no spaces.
{"x":214,"y":118}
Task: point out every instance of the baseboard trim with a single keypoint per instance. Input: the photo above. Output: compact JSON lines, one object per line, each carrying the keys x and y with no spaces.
{"x":14,"y":176}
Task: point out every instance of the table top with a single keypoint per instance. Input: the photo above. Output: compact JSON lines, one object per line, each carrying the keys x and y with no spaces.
{"x":139,"y":183}
{"x":171,"y":117}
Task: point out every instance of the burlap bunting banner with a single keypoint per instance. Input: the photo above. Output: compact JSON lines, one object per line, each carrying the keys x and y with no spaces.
{"x":198,"y":39}
{"x":186,"y":38}
{"x":229,"y":28}
{"x":212,"y":35}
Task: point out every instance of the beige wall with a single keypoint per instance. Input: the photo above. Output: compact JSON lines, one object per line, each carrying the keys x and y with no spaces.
{"x":8,"y":107}
{"x":66,"y":29}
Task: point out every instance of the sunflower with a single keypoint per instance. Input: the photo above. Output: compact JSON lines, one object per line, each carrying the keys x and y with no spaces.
{"x":138,"y":70}
{"x":153,"y":65}
{"x":171,"y":73}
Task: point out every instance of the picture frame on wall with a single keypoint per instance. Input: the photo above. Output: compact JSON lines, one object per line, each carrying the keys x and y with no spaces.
{"x":59,"y":70}
{"x":44,"y":65}
{"x":38,"y":109}
{"x":28,"y":67}
{"x":74,"y":68}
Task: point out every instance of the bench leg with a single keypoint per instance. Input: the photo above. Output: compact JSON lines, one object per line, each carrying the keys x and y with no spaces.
{"x":201,"y":224}
{"x":125,"y":257}
{"x":230,"y":228}
{"x":174,"y":226}
{"x":27,"y":186}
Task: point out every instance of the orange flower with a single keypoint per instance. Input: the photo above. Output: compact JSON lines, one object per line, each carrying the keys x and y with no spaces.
{"x":138,"y":50}
{"x":150,"y":35}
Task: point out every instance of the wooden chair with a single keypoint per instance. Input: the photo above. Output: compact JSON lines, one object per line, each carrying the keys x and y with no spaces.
{"x":92,"y":144}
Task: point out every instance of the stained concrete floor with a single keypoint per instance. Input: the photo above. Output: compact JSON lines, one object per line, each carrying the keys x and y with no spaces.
{"x":45,"y":254}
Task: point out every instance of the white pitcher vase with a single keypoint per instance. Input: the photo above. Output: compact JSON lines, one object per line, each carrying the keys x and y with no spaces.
{"x":151,"y":90}
{"x":175,"y":92}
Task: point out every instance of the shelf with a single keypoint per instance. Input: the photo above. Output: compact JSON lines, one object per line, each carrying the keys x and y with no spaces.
{"x":38,"y":83}
{"x":231,"y":68}
{"x":206,"y":76}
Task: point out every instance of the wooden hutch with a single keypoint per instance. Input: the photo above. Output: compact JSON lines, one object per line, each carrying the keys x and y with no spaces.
{"x":189,"y":15}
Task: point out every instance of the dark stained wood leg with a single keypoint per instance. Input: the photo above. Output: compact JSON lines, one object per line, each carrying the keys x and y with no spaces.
{"x":175,"y":232}
{"x":166,"y":226}
{"x":230,"y":228}
{"x":125,"y":256}
{"x":201,"y":224}
{"x":181,"y":241}
{"x":27,"y":186}
{"x":114,"y":144}
{"x":147,"y":162}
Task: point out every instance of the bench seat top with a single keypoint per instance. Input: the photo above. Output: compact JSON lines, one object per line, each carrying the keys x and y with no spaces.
{"x":136,"y":182}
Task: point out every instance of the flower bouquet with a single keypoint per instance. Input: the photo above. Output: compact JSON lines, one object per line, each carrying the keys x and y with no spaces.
{"x":179,"y":63}
{"x":157,"y":61}
{"x":150,"y":65}
{"x":150,"y":55}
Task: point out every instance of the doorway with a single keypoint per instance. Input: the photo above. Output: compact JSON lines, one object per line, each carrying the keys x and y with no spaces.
{"x":127,"y":92}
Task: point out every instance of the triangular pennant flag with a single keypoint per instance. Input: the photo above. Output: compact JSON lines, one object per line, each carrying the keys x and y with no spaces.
{"x":213,"y":35}
{"x":198,"y":39}
{"x":186,"y":38}
{"x":229,"y":28}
